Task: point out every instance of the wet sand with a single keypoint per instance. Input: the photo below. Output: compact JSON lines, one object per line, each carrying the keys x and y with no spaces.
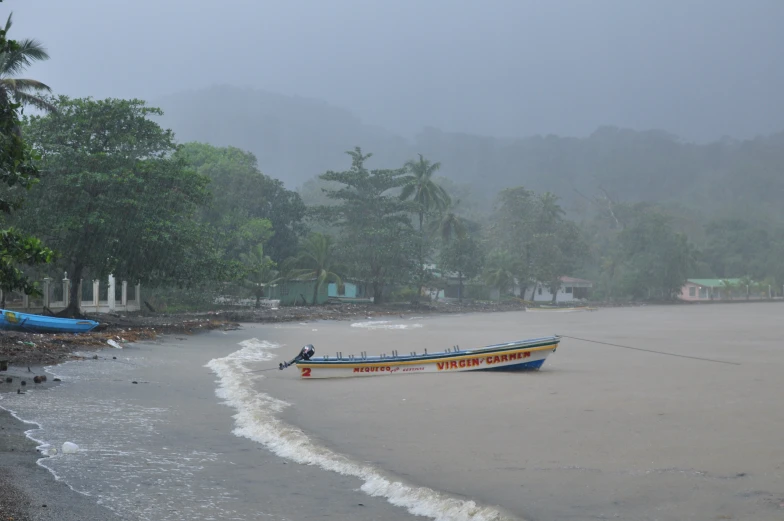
{"x":157,"y":444}
{"x":28,"y":492}
{"x":600,"y":432}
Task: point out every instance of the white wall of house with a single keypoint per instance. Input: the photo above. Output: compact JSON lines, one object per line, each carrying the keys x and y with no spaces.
{"x":542,"y":293}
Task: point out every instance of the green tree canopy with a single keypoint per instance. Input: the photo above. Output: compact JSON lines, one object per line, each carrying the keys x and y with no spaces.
{"x":654,"y":259}
{"x":240,"y":192}
{"x":377,"y":239}
{"x":258,"y":272}
{"x":112,"y":199}
{"x":17,"y":167}
{"x":316,"y":261}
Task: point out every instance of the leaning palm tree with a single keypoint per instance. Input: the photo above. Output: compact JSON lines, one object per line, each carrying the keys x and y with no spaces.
{"x":420,"y":187}
{"x":260,"y":272}
{"x":14,"y":59}
{"x":315,"y":261}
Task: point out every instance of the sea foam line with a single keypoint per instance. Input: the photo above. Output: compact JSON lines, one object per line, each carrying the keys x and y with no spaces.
{"x":256,"y":420}
{"x":383,"y":324}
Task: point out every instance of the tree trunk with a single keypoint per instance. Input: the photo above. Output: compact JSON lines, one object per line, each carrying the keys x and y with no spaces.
{"x":74,"y":295}
{"x":258,"y":300}
{"x":421,"y":256}
{"x":315,"y":293}
{"x":378,"y":293}
{"x":523,"y":289}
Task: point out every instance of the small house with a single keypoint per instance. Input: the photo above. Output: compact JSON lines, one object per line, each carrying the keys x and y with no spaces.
{"x":571,"y":289}
{"x":719,"y":289}
{"x":298,"y":292}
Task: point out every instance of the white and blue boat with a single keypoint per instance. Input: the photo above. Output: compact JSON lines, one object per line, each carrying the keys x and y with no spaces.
{"x":522,"y":355}
{"x":16,"y":321}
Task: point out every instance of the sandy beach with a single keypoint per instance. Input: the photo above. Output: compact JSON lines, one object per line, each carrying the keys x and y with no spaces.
{"x":600,"y":432}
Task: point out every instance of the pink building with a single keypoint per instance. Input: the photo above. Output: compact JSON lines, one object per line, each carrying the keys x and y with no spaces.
{"x":717,"y":289}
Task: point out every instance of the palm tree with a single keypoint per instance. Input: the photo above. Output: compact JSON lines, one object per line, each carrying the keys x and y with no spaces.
{"x":420,"y":187}
{"x":746,"y":282}
{"x":14,"y":59}
{"x":727,"y":287}
{"x":449,"y":226}
{"x":498,"y":273}
{"x":260,"y":272}
{"x":315,"y":261}
{"x":428,"y":196}
{"x":549,"y":209}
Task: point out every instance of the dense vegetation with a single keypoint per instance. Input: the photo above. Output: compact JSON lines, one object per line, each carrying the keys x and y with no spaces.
{"x":99,"y":187}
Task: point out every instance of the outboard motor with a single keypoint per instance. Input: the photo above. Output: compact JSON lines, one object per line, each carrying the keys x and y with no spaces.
{"x":305,"y":353}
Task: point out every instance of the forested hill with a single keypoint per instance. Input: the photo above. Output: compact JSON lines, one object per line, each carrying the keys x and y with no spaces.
{"x":293,"y":138}
{"x":296,"y":139}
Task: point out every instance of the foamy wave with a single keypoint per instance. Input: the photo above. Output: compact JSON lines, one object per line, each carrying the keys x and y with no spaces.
{"x":256,"y":347}
{"x":383,"y":324}
{"x":255,"y":419}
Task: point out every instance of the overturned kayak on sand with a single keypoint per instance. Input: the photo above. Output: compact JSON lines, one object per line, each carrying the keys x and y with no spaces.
{"x":15,"y":321}
{"x":522,"y":355}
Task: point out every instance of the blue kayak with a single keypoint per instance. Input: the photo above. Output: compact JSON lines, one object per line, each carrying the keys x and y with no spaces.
{"x":13,"y":320}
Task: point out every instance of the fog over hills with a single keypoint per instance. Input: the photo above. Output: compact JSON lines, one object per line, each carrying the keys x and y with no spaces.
{"x":296,"y":139}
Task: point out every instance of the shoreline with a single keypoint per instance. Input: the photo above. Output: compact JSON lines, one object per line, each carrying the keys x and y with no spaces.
{"x":23,"y":348}
{"x":30,"y":492}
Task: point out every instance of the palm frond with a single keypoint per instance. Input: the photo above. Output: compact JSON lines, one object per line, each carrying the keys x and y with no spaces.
{"x":408,"y":189}
{"x":302,"y":274}
{"x":16,"y":61}
{"x":24,"y":85}
{"x":35,"y":101}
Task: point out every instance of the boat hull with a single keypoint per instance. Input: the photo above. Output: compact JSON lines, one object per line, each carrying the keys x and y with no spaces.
{"x":15,"y":321}
{"x":516,"y":356}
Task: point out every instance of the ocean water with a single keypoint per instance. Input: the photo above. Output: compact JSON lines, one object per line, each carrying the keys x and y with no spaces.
{"x":213,"y":430}
{"x":198,"y":438}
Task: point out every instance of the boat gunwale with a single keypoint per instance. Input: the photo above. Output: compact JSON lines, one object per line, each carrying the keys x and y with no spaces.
{"x":539,"y":344}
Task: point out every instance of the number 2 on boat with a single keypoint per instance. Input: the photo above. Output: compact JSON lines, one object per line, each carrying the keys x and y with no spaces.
{"x":305,"y":371}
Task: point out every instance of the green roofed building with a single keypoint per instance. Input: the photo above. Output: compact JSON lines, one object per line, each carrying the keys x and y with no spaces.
{"x":721,"y":289}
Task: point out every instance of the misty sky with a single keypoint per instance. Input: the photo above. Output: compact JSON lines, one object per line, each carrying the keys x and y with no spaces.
{"x":698,"y":68}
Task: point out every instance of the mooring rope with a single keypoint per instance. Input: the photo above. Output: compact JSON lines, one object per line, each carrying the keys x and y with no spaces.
{"x":651,"y":350}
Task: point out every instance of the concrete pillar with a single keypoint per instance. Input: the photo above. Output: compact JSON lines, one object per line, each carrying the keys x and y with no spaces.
{"x":139,"y":295}
{"x":110,"y":295}
{"x":124,"y":293}
{"x":25,"y":301}
{"x":47,"y":291}
{"x":96,"y":293}
{"x":66,"y":289}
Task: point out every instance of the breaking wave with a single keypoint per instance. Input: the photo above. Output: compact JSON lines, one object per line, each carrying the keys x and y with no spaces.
{"x":256,"y":420}
{"x":383,"y":324}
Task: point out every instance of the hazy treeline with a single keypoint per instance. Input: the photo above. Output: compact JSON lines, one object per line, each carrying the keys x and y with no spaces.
{"x":99,"y":187}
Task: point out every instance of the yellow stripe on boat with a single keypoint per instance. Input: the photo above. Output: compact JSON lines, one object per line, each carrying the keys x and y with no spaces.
{"x":391,"y":361}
